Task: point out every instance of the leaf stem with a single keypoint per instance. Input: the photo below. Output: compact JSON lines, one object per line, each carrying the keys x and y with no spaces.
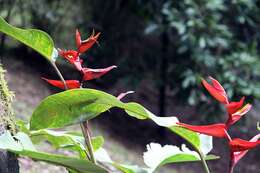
{"x":203,"y":161}
{"x":60,"y":75}
{"x":84,"y":125}
{"x":86,"y":132}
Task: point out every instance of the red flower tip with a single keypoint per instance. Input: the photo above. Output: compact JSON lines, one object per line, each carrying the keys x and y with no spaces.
{"x":86,"y":44}
{"x":73,"y":57}
{"x":235,"y":106}
{"x":242,"y":145}
{"x":122,"y":95}
{"x":239,"y":148}
{"x":71,"y":84}
{"x":215,"y":130}
{"x":216,"y":90}
{"x":233,"y":118}
{"x":89,"y":74}
{"x":78,"y":38}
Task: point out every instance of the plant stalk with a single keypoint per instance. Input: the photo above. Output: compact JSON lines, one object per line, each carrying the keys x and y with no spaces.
{"x":203,"y":161}
{"x":60,"y":75}
{"x":86,"y":132}
{"x":84,"y":125}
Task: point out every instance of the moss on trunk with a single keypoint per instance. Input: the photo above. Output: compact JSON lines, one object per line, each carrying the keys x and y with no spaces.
{"x":8,"y":161}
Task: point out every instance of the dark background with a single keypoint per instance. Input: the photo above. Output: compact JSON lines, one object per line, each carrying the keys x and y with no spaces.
{"x":161,"y":48}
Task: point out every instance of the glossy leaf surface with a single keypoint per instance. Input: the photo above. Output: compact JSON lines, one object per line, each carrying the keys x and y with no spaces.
{"x":38,"y":40}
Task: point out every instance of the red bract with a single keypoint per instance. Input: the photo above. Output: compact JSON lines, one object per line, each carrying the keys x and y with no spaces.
{"x":78,"y":38}
{"x":89,"y":74}
{"x":235,"y":112}
{"x":215,"y":130}
{"x":233,"y":118}
{"x":216,"y":90}
{"x":235,"y":106}
{"x":71,"y":84}
{"x":73,"y":57}
{"x":242,"y":145}
{"x":86,"y":44}
{"x":239,"y":148}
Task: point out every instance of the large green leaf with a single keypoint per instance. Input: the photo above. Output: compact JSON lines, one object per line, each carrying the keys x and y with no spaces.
{"x":79,"y":165}
{"x":63,"y":139}
{"x":73,"y":106}
{"x":36,"y":39}
{"x":24,"y":147}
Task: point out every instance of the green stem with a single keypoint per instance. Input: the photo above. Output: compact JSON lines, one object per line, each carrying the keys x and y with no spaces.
{"x":86,"y":132}
{"x":60,"y":75}
{"x":203,"y":161}
{"x":84,"y":126}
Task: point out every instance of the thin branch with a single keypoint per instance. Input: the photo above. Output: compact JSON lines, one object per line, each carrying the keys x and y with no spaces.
{"x":60,"y":75}
{"x":87,"y":136}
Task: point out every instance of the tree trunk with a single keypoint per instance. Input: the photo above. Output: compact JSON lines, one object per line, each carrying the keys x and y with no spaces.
{"x":163,"y":73}
{"x":8,"y":161}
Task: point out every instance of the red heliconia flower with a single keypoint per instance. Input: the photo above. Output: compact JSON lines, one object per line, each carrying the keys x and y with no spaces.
{"x":238,"y":144}
{"x":216,"y":90}
{"x":239,"y":148}
{"x":233,"y":118}
{"x":86,"y":44}
{"x":89,"y":74}
{"x":71,"y":84}
{"x":215,"y":130}
{"x":232,"y":107}
{"x":122,"y":95}
{"x":73,"y":57}
{"x":235,"y":112}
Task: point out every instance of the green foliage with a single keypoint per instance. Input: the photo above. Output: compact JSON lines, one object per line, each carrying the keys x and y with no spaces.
{"x":78,"y":105}
{"x":157,"y":156}
{"x":36,"y":39}
{"x":74,"y":106}
{"x":207,"y":39}
{"x":154,"y":158}
{"x":24,"y":147}
{"x":193,"y":138}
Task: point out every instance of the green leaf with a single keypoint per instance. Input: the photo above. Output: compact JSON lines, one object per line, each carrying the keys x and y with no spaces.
{"x":36,"y":39}
{"x":102,"y":156}
{"x":97,"y":142}
{"x":79,"y":165}
{"x":7,"y":142}
{"x":131,"y":168}
{"x":23,"y":147}
{"x":60,"y":139}
{"x":25,"y":140}
{"x":73,"y":106}
{"x":23,"y":126}
{"x":157,"y":156}
{"x":191,"y":137}
{"x":66,"y":140}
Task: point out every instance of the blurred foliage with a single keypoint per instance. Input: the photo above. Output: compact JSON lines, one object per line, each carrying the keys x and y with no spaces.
{"x":219,"y":38}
